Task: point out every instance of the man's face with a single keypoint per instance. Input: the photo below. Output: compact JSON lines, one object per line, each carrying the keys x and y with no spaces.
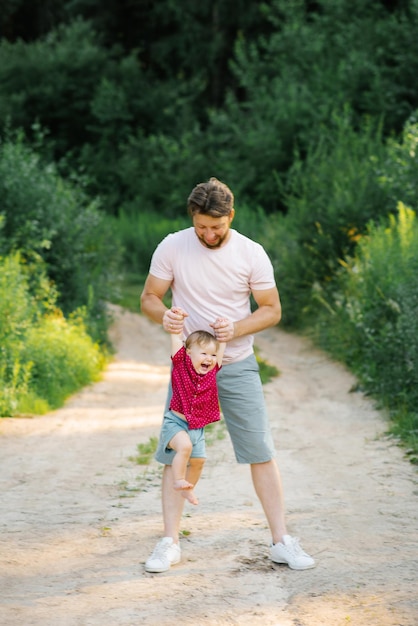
{"x":212,"y":232}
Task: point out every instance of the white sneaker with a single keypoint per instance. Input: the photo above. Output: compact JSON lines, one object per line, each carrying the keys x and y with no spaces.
{"x":166,"y":553}
{"x":291,"y":553}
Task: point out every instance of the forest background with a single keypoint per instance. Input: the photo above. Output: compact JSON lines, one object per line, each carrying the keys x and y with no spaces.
{"x":112,"y":111}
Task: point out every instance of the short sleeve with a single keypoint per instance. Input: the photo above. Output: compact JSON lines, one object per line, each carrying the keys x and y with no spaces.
{"x":262,"y":274}
{"x":161,"y":261}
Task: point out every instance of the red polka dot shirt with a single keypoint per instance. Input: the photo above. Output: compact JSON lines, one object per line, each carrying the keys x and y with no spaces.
{"x":194,"y":395}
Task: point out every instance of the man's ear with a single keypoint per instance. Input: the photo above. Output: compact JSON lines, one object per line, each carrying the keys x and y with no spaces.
{"x":231,"y":215}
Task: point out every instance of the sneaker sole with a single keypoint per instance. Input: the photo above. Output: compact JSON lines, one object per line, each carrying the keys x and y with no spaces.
{"x":160,"y":570}
{"x":296,"y":567}
{"x":156,"y":570}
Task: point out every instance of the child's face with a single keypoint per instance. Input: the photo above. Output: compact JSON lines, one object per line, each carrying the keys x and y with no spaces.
{"x":203,"y":357}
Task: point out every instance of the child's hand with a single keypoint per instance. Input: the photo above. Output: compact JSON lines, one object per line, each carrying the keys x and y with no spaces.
{"x":173,"y":320}
{"x":223,"y":328}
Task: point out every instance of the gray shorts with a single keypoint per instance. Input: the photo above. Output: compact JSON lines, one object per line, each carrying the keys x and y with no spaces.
{"x":173,"y":424}
{"x":244,"y":410}
{"x":243,"y":407}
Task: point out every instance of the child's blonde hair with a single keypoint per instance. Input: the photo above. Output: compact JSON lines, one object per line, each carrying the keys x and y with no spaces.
{"x":202,"y":338}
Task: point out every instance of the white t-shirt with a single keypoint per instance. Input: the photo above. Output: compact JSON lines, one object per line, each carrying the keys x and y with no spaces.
{"x":210,"y":283}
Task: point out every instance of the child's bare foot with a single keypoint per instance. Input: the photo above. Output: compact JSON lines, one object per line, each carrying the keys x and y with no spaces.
{"x":181,"y":484}
{"x":186,"y":489}
{"x":189,"y":495}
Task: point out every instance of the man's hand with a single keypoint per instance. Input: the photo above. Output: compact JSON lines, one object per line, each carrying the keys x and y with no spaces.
{"x":224,"y":329}
{"x":173,"y":320}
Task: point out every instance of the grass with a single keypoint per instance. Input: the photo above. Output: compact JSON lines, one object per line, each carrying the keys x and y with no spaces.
{"x":267,"y":371}
{"x":146,"y":452}
{"x":405,"y":428}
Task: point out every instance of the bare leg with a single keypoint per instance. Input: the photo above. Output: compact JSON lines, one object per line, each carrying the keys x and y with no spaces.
{"x":268,"y":487}
{"x":183,"y":447}
{"x":172,"y":500}
{"x":194,"y":470}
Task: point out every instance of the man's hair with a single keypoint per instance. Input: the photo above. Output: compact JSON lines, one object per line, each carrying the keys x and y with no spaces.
{"x":202,"y":338}
{"x":212,"y":198}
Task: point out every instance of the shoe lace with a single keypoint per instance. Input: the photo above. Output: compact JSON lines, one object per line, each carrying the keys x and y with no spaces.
{"x":160,"y":551}
{"x":297,"y":550}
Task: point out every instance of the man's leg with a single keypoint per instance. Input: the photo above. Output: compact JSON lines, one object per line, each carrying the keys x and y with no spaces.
{"x":242,"y":400}
{"x":167,"y":551}
{"x":268,"y":487}
{"x":173,"y":501}
{"x":243,"y":405}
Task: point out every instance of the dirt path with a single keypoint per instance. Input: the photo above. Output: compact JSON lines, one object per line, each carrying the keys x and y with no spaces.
{"x":78,"y":518}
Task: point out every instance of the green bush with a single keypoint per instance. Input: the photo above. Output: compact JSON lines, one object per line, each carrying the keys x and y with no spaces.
{"x":43,"y":357}
{"x":371,"y":321}
{"x":97,"y":106}
{"x":332,"y":195}
{"x":398,"y":175}
{"x":158,"y":171}
{"x":314,"y":60}
{"x":52,"y":81}
{"x":349,"y":179}
{"x":17,"y":313}
{"x":63,"y":358}
{"x":45,"y":217}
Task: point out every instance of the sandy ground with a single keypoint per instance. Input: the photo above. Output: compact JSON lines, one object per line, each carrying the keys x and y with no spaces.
{"x":79,"y":518}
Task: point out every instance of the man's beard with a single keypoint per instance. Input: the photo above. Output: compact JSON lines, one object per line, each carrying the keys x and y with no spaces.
{"x":217,"y":244}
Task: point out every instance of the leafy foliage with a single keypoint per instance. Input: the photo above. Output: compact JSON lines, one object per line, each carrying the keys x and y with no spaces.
{"x":152,"y":97}
{"x":332,"y":195}
{"x":63,"y":358}
{"x":43,"y":357}
{"x":45,"y":217}
{"x":17,"y":312}
{"x":51,"y":81}
{"x":372,"y":324}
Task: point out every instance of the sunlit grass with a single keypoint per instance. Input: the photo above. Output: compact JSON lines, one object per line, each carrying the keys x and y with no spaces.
{"x":267,"y":370}
{"x":146,"y":452}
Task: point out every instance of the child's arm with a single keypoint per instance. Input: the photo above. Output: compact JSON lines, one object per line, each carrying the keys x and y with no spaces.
{"x":176,"y":342}
{"x":176,"y":338}
{"x":220,"y":353}
{"x":222,"y":345}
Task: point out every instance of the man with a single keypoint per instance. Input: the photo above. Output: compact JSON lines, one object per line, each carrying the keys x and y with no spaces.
{"x":212,"y":270}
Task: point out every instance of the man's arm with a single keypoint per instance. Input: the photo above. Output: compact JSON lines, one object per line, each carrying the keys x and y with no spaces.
{"x":268,"y":313}
{"x":152,"y":298}
{"x":152,"y":305}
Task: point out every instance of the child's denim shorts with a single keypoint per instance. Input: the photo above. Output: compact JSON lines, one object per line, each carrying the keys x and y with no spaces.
{"x":173,"y":424}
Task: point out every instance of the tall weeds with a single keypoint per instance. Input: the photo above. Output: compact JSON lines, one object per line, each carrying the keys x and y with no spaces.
{"x":371,"y":322}
{"x":43,"y":357}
